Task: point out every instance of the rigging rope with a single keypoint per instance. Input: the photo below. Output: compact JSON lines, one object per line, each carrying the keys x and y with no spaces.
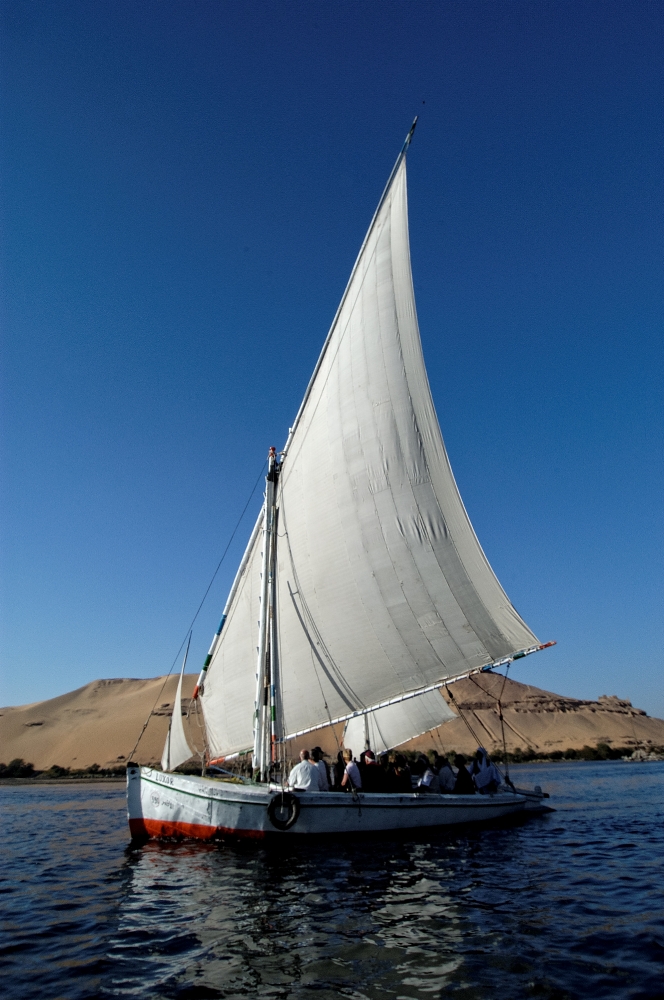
{"x":313,"y":626}
{"x":506,"y":775}
{"x":502,"y":724}
{"x":500,"y":716}
{"x":531,"y":745}
{"x":198,"y":610}
{"x":339,"y":682}
{"x":458,"y":708}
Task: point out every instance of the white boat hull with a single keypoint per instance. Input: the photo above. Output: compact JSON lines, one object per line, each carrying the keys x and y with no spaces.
{"x":164,"y":805}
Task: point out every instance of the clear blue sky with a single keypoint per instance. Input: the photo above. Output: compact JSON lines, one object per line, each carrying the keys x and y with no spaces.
{"x":185,"y":186}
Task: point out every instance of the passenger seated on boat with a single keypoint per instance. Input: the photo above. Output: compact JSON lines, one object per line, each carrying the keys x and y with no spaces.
{"x":317,"y":757}
{"x":385,"y":772}
{"x":485,"y":774}
{"x":305,"y":776}
{"x":390,"y":776}
{"x":418,"y":767}
{"x":400,"y":777}
{"x":464,"y":784}
{"x":352,"y":779}
{"x":338,"y":771}
{"x":428,"y":782}
{"x":446,"y":776}
{"x":372,"y":774}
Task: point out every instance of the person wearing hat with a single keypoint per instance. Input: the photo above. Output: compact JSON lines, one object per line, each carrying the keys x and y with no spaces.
{"x":317,"y":757}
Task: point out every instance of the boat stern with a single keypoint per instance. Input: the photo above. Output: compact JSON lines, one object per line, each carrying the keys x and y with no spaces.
{"x":156,"y":807}
{"x":534,"y":800}
{"x":167,"y":805}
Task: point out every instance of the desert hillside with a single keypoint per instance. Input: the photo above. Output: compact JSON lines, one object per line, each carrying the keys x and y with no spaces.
{"x":100,"y":723}
{"x":96,"y":724}
{"x":540,"y":720}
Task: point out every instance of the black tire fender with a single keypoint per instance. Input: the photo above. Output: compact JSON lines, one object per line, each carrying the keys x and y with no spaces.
{"x":283,"y":810}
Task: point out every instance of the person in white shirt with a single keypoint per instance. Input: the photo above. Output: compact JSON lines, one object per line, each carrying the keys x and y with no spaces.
{"x":351,"y":779}
{"x":317,"y":757}
{"x":305,"y":776}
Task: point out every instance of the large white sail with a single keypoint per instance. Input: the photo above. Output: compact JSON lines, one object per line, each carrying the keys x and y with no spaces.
{"x":176,"y":748}
{"x":382,"y":585}
{"x":393,"y":725}
{"x":230,"y":686}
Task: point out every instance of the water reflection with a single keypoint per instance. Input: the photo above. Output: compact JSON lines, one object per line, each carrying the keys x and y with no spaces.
{"x":355,"y":920}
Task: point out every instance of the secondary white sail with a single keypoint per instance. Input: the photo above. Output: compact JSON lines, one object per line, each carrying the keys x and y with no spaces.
{"x":176,"y":748}
{"x":382,"y":585}
{"x":393,"y":725}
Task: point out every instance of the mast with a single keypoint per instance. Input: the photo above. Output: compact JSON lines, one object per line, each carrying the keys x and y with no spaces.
{"x":275,"y":728}
{"x":264,"y":701}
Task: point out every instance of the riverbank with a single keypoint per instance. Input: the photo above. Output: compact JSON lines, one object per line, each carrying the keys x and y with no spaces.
{"x":10,"y":782}
{"x":98,"y":725}
{"x":20,"y":772}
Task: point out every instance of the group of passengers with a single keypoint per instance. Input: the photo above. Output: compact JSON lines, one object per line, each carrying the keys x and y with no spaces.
{"x":393,"y":773}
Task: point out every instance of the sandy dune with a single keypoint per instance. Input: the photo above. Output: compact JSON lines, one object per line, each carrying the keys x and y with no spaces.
{"x":100,"y":723}
{"x":96,"y":724}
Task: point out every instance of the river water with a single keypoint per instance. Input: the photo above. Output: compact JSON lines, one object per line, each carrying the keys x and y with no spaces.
{"x":568,"y":905}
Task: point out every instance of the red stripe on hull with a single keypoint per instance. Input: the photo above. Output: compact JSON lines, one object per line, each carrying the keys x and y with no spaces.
{"x":196,"y":831}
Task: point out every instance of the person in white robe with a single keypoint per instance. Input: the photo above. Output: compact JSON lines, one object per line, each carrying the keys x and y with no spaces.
{"x":485,"y":774}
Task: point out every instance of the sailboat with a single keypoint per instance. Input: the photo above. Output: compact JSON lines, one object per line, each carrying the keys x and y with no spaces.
{"x":363,"y":590}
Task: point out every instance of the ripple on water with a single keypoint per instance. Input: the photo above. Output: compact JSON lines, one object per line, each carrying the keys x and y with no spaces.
{"x":565,"y":906}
